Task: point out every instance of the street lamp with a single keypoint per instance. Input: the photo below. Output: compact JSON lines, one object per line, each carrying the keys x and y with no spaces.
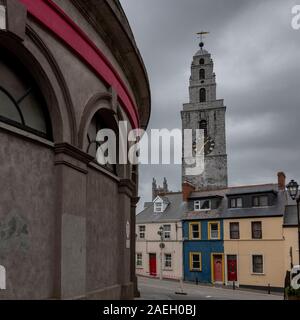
{"x":293,"y":190}
{"x":161,"y":245}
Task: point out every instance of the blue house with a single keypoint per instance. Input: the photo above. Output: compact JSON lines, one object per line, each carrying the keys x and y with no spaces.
{"x":203,"y":246}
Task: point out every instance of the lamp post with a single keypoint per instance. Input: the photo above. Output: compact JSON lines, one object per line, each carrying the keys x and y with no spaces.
{"x":161,"y":245}
{"x":293,"y":190}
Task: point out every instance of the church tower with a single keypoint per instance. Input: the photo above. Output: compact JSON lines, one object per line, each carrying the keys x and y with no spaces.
{"x":205,"y":112}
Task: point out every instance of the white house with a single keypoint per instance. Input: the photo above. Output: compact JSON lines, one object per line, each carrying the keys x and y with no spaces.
{"x":159,"y":238}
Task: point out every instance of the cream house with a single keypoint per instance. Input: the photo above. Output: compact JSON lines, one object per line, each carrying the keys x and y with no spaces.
{"x":159,"y":238}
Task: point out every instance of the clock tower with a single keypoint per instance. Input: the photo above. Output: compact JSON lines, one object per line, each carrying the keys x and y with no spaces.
{"x":205,"y":112}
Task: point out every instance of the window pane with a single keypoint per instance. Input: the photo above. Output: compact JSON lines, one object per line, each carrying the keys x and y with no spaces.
{"x":214,"y":231}
{"x":255,"y":201}
{"x":256,"y":230}
{"x":8,"y":108}
{"x":205,"y":205}
{"x":263,"y":201}
{"x":33,"y":113}
{"x":239,"y":202}
{"x":257,"y":261}
{"x":197,"y":205}
{"x":168,"y":260}
{"x":232,"y":203}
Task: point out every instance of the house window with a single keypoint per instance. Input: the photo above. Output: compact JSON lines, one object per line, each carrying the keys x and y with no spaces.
{"x":236,"y":203}
{"x":139,"y":259}
{"x":168,"y":261}
{"x":234,"y":230}
{"x":202,"y":74}
{"x":195,"y":231}
{"x":256,"y":230}
{"x":195,"y":261}
{"x":202,"y":205}
{"x":214,"y":230}
{"x":202,"y":95}
{"x":167,"y":231}
{"x":260,"y":201}
{"x":258,"y":264}
{"x":142,"y":231}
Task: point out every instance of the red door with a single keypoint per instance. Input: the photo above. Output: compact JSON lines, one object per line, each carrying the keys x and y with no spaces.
{"x":152,"y":264}
{"x":218,"y":267}
{"x":232,"y":268}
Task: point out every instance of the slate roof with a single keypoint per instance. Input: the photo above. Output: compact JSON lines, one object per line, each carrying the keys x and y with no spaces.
{"x":178,"y":210}
{"x":173,"y":212}
{"x":290,"y":216}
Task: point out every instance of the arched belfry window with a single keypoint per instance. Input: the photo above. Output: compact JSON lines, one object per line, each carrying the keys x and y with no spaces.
{"x":201,"y":61}
{"x":21,"y":102}
{"x":108,"y":147}
{"x":202,"y":74}
{"x":202,"y":95}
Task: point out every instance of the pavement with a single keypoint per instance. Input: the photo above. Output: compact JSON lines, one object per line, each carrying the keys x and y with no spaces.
{"x":155,"y":289}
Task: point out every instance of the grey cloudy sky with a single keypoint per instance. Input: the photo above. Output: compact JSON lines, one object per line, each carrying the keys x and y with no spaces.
{"x":256,"y":54}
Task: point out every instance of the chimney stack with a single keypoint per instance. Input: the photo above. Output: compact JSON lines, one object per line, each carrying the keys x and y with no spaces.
{"x":281,"y":181}
{"x":187,"y":189}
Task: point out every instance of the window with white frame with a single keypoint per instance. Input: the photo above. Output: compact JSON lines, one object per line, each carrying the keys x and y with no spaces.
{"x":168,"y":261}
{"x":200,"y":205}
{"x":258,"y":263}
{"x":158,"y":207}
{"x":139,"y":259}
{"x":142,"y":232}
{"x":214,"y":230}
{"x":167,"y":232}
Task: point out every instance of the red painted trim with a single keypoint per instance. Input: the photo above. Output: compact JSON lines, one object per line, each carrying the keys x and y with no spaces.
{"x":54,"y":18}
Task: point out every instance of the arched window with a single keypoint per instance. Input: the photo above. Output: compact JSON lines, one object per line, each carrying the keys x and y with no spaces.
{"x":201,"y":61}
{"x":202,"y":74}
{"x":203,"y":126}
{"x":21,"y":102}
{"x":106,"y":149}
{"x":202,"y":95}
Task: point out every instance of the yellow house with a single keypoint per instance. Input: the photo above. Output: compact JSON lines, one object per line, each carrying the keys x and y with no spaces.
{"x":260,"y":236}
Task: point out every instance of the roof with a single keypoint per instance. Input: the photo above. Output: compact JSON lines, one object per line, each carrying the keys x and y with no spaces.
{"x":271,"y":187}
{"x":173,"y":212}
{"x":290,"y":216}
{"x":178,"y":209}
{"x":224,"y":212}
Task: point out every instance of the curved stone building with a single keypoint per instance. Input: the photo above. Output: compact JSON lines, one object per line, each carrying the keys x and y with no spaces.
{"x":67,"y":224}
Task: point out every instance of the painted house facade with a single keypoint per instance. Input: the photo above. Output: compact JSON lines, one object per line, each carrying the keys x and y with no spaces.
{"x":203,"y":247}
{"x":159,"y":238}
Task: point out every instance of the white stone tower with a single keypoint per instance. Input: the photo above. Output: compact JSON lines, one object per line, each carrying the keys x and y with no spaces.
{"x":205,"y":112}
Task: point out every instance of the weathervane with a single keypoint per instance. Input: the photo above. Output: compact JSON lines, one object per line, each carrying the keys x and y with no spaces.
{"x":201,"y":36}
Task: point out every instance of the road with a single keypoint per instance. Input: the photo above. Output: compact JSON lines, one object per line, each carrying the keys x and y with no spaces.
{"x":154,"y":289}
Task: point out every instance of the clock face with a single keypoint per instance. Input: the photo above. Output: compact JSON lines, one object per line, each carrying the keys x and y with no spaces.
{"x":209,"y":146}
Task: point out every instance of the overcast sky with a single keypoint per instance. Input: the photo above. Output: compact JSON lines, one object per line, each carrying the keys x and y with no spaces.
{"x":257,"y":64}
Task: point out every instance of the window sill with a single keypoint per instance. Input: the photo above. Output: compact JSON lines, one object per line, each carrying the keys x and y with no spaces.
{"x":258,"y":274}
{"x":196,"y":270}
{"x":167,"y":269}
{"x":140,"y":268}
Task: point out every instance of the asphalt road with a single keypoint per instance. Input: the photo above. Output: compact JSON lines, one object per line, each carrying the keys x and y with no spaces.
{"x":154,"y":289}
